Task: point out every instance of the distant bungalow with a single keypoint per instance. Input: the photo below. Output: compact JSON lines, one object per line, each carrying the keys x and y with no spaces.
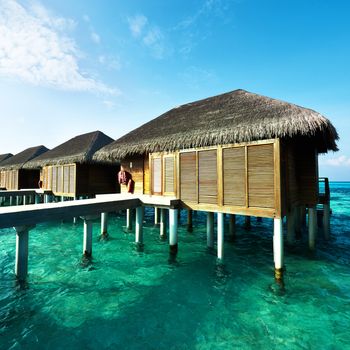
{"x":69,"y":170}
{"x":13,"y":174}
{"x":237,"y":153}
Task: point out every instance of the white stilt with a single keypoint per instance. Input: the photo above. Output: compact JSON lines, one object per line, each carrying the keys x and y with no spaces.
{"x":278,"y":247}
{"x":173,"y":221}
{"x":291,"y":225}
{"x":162,"y":226}
{"x":104,"y":223}
{"x":232,"y":225}
{"x":210,"y":229}
{"x":312,"y":227}
{"x":17,"y":200}
{"x":11,"y":201}
{"x":220,"y":238}
{"x":129,"y":219}
{"x":87,"y":244}
{"x":21,"y":267}
{"x":156,"y":215}
{"x":37,"y":199}
{"x":62,"y":198}
{"x":326,"y":220}
{"x":139,"y":225}
{"x":25,"y":198}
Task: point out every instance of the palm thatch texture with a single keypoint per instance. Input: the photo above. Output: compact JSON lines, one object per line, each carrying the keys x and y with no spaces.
{"x":20,"y":159}
{"x":233,"y":117}
{"x":5,"y":156}
{"x":79,"y":149}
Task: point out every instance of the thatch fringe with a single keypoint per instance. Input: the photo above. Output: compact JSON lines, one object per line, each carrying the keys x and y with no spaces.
{"x":235,"y":117}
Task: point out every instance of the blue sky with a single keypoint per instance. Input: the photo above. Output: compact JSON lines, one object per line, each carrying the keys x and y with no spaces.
{"x":69,"y":67}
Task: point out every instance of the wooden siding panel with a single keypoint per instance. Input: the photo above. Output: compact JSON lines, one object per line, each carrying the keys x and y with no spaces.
{"x":66,"y":179}
{"x":71,"y":179}
{"x":146,"y":176}
{"x":261,"y":176}
{"x":234,"y":176}
{"x":188,"y":190}
{"x":169,"y":174}
{"x":157,"y":175}
{"x":207,"y":177}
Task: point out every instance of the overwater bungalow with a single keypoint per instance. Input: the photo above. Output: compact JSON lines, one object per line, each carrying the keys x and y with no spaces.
{"x":68,"y":170}
{"x":235,"y":153}
{"x":2,"y":175}
{"x":14,"y":176}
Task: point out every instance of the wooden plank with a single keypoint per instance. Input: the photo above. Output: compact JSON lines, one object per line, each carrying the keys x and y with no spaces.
{"x":234,"y":176}
{"x":220,"y":177}
{"x":188,"y":176}
{"x":277,"y":177}
{"x":261,"y":191}
{"x":246,"y":177}
{"x":146,"y":175}
{"x":208,"y":177}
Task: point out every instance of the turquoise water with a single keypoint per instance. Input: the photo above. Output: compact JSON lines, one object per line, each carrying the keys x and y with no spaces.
{"x":131,"y":299}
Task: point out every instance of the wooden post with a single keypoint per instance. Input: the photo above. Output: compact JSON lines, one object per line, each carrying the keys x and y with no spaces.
{"x":291,"y":216}
{"x":156,"y":215}
{"x":220,"y":238}
{"x":189,"y":220}
{"x":247,"y":222}
{"x":210,"y":230}
{"x":22,"y":239}
{"x":173,"y":221}
{"x":139,"y":225}
{"x":129,"y":220}
{"x":278,"y":248}
{"x":326,"y":220}
{"x":312,"y":227}
{"x":232,"y":225}
{"x":104,"y":224}
{"x":162,"y":226}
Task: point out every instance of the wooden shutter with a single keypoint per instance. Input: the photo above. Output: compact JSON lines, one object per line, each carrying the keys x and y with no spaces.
{"x":59,"y":179}
{"x":188,"y":187}
{"x":261,"y":176}
{"x":15,"y":178}
{"x":66,"y":179}
{"x":207,"y":177}
{"x":169,"y":176}
{"x":71,"y":179}
{"x":49,"y":178}
{"x":157,"y":175}
{"x":54,"y":178}
{"x":234,"y":176}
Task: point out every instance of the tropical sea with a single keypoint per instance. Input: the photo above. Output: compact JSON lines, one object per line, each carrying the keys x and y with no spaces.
{"x":129,"y":298}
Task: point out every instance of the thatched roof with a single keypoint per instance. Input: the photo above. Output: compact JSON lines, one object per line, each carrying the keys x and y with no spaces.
{"x":5,"y":156}
{"x":20,"y":159}
{"x":236,"y":116}
{"x":79,"y":149}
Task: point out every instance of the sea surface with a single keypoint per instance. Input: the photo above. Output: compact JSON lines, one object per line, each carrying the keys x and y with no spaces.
{"x":132,"y":298}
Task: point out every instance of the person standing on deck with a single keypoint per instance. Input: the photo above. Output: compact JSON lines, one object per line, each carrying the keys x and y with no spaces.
{"x":125,"y":178}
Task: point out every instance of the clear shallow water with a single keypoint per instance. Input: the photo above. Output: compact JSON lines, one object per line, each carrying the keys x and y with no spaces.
{"x":125,"y":299}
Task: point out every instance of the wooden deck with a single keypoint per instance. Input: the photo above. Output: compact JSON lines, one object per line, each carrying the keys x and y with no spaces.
{"x":37,"y":213}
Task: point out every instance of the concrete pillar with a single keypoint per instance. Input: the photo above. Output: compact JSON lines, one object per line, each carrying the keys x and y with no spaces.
{"x":129,"y":220}
{"x":25,"y":198}
{"x":278,"y":247}
{"x":173,"y":222}
{"x":156,"y":216}
{"x":62,"y":198}
{"x":17,"y":200}
{"x":312,"y":227}
{"x":326,"y":220}
{"x":104,"y":224}
{"x":189,"y":220}
{"x":210,"y":230}
{"x":11,"y":201}
{"x":291,"y":216}
{"x":22,"y":239}
{"x":247,"y":222}
{"x":139,"y":225}
{"x":87,"y":244}
{"x":162,"y":226}
{"x":220,"y":238}
{"x":232,"y":225}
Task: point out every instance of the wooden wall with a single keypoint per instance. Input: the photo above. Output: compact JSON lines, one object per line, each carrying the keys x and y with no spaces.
{"x":135,"y":166}
{"x":9,"y":179}
{"x":73,"y":180}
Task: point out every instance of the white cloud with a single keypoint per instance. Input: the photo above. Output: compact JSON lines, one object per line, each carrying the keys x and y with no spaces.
{"x":108,"y":104}
{"x":86,"y":18}
{"x":95,"y":38}
{"x":35,"y":49}
{"x":337,"y":161}
{"x":111,"y":62}
{"x":137,"y":24}
{"x":149,"y":35}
